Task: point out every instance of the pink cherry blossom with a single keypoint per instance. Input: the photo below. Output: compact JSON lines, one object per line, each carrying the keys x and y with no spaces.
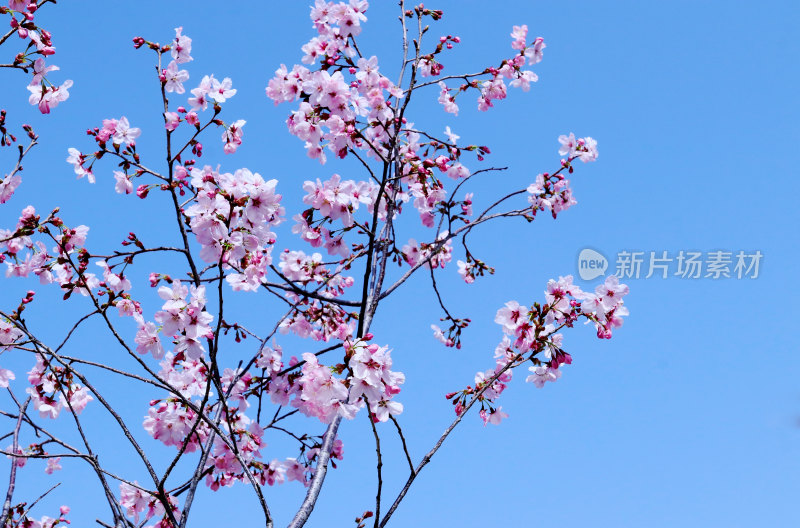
{"x":535,"y":53}
{"x":447,"y":100}
{"x":221,"y":91}
{"x":215,"y":380}
{"x":493,"y":417}
{"x":175,"y":78}
{"x":124,"y":184}
{"x":53,"y":465}
{"x":519,"y":34}
{"x":40,"y":70}
{"x":124,"y":133}
{"x":541,"y":375}
{"x":232,"y":137}
{"x":7,"y":187}
{"x":5,"y":377}
{"x":47,"y":98}
{"x":181,"y":48}
{"x":201,"y":97}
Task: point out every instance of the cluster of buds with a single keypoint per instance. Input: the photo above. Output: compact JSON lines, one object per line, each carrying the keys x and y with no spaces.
{"x":420,"y":11}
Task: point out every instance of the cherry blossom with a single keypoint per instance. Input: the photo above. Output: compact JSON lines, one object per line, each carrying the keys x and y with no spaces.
{"x":175,"y":78}
{"x":53,"y":465}
{"x":47,"y":98}
{"x":232,"y":137}
{"x":5,"y":377}
{"x":182,"y":48}
{"x":225,"y":389}
{"x":124,"y":133}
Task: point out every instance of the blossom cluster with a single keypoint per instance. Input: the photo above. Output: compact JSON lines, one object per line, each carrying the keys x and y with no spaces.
{"x":333,"y":110}
{"x":532,"y":334}
{"x":18,"y":516}
{"x":494,"y":88}
{"x":135,"y":500}
{"x":473,"y":268}
{"x":551,"y":192}
{"x":231,"y":219}
{"x":344,"y":106}
{"x":187,"y":322}
{"x":433,"y":255}
{"x":173,"y":422}
{"x":24,"y":257}
{"x":210,"y":91}
{"x":20,"y":456}
{"x":373,"y":380}
{"x":53,"y":388}
{"x":584,"y":149}
{"x":9,"y":333}
{"x":333,"y":200}
{"x":44,"y":94}
{"x":10,"y":182}
{"x":316,"y":391}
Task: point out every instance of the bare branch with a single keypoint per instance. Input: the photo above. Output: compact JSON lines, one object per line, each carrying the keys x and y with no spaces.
{"x":12,"y":480}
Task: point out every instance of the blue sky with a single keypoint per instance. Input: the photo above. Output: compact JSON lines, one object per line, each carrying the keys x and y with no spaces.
{"x":688,"y":416}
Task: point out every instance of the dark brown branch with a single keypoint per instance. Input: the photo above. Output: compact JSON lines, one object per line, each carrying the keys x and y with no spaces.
{"x":403,"y":440}
{"x":379,"y":467}
{"x":427,"y":458}
{"x":12,"y":480}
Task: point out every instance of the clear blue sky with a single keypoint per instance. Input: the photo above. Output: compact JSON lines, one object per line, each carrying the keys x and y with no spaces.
{"x":687,"y":417}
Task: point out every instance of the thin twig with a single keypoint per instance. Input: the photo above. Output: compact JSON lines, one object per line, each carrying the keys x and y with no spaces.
{"x":403,"y":440}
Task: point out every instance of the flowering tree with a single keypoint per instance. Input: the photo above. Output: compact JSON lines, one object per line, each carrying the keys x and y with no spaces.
{"x":223,"y":385}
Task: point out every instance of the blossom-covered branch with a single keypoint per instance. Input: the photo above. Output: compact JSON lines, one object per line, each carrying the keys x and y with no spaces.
{"x":356,"y":243}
